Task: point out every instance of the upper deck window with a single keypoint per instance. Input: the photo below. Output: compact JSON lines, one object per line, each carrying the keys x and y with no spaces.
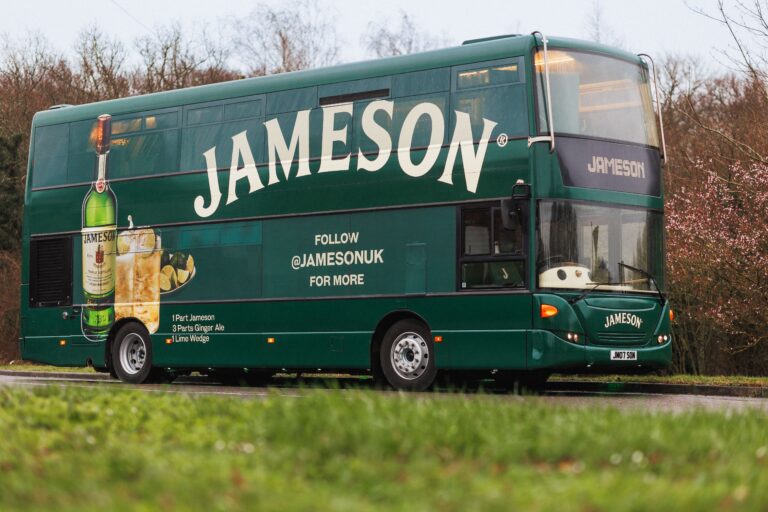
{"x":492,"y":75}
{"x":144,"y":145}
{"x":597,"y":96}
{"x":49,"y":159}
{"x":495,"y":91}
{"x":126,"y":126}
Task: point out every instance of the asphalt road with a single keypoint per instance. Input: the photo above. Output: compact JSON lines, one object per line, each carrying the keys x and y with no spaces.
{"x":288,"y":388}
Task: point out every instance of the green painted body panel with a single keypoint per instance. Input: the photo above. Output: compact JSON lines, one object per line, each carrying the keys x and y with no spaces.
{"x":262,"y":267}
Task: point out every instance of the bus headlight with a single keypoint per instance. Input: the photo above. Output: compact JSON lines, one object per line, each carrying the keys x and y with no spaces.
{"x":572,"y":337}
{"x":663,"y":338}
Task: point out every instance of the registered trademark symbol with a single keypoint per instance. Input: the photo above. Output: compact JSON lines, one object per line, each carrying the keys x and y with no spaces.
{"x":502,"y":140}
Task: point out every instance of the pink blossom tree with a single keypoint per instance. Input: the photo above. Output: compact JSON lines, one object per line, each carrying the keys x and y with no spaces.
{"x":717,"y":245}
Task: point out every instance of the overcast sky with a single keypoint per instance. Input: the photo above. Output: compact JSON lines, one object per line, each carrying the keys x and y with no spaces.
{"x":658,"y":27}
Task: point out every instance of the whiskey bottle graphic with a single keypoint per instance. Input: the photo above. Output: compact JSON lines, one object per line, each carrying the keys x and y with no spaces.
{"x":99,"y":242}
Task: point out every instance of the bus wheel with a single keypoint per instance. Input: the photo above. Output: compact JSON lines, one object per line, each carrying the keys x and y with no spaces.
{"x":132,"y":354}
{"x":407,"y":356}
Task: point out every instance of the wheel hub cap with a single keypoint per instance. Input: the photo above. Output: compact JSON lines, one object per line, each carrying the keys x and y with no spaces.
{"x":133,"y":353}
{"x":409,"y":355}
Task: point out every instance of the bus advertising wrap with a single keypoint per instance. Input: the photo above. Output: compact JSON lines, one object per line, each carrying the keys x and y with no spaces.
{"x":609,"y":166}
{"x":284,"y":154}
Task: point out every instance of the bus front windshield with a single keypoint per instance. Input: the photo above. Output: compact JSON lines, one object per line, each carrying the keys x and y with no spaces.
{"x":583,"y":246}
{"x":597,"y":96}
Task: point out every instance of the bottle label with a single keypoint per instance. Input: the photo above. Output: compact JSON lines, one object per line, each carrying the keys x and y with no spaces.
{"x":99,"y":251}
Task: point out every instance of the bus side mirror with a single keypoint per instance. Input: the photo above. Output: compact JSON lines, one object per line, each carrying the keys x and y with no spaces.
{"x":514,"y":211}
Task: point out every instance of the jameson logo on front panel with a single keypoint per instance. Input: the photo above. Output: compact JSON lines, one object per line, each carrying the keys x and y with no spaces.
{"x":282,"y":150}
{"x":99,"y":243}
{"x":609,"y":166}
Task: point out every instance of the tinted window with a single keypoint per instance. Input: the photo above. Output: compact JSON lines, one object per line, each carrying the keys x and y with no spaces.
{"x":491,"y":75}
{"x":477,"y":232}
{"x":153,"y":149}
{"x":205,"y":115}
{"x":126,"y":125}
{"x":82,"y":152}
{"x":421,"y":82}
{"x":423,"y":130}
{"x":243,"y":109}
{"x":495,"y":92}
{"x":491,"y":257}
{"x":199,"y":139}
{"x":50,"y":155}
{"x":291,"y":101}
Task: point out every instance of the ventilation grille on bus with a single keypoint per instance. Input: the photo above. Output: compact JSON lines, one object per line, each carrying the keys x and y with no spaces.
{"x":621,"y":338}
{"x":50,"y":272}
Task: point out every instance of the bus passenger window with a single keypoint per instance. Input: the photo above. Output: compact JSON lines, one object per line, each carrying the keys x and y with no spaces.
{"x":509,"y":242}
{"x":477,"y":232}
{"x":491,"y":256}
{"x":495,"y":91}
{"x":126,"y":126}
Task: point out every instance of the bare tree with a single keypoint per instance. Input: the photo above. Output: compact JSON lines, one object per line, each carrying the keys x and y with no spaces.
{"x":172,"y":61}
{"x":598,"y":29}
{"x":101,"y":65}
{"x":747,"y":24}
{"x":291,"y":38}
{"x":388,"y":38}
{"x":32,"y":78}
{"x":733,"y":111}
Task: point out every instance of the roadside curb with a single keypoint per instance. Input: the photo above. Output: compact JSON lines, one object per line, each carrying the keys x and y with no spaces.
{"x":81,"y":376}
{"x":56,"y":375}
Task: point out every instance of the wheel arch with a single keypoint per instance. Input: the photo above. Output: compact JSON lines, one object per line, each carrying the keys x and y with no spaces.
{"x":384,"y":324}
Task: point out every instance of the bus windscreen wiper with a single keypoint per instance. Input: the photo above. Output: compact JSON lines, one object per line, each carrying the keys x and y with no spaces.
{"x":647,"y":274}
{"x":589,"y":290}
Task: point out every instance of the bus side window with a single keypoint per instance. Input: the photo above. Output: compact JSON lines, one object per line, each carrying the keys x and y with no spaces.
{"x":491,"y":257}
{"x":49,"y":167}
{"x":494,"y":91}
{"x":145,"y":144}
{"x":477,"y":232}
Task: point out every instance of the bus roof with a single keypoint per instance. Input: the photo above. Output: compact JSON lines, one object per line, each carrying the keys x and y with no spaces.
{"x":477,"y":50}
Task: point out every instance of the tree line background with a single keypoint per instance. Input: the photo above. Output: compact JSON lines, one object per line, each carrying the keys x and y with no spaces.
{"x":716,"y":123}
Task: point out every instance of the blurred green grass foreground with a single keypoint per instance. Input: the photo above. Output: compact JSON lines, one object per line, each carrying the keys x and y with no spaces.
{"x":69,"y":448}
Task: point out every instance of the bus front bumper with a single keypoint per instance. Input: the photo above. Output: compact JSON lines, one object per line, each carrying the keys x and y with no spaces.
{"x":548,"y":351}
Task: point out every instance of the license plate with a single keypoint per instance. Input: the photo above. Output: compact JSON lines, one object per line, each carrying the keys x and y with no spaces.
{"x":623,"y":355}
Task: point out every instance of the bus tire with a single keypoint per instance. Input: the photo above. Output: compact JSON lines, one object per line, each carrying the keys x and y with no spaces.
{"x":132,"y":354}
{"x":407,"y":356}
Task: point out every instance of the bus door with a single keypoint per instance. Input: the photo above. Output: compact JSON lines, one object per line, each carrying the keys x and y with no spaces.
{"x":493,"y":269}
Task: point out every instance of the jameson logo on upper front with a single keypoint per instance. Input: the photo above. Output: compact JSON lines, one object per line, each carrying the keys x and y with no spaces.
{"x":609,"y":166}
{"x":282,"y":151}
{"x":623,"y":319}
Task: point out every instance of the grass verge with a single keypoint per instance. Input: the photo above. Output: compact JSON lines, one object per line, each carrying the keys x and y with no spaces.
{"x":92,"y":449}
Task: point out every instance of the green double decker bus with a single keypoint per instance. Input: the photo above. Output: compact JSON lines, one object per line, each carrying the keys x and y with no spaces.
{"x":493,"y":208}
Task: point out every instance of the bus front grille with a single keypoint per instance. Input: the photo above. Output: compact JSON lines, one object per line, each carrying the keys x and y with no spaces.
{"x":621,"y":338}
